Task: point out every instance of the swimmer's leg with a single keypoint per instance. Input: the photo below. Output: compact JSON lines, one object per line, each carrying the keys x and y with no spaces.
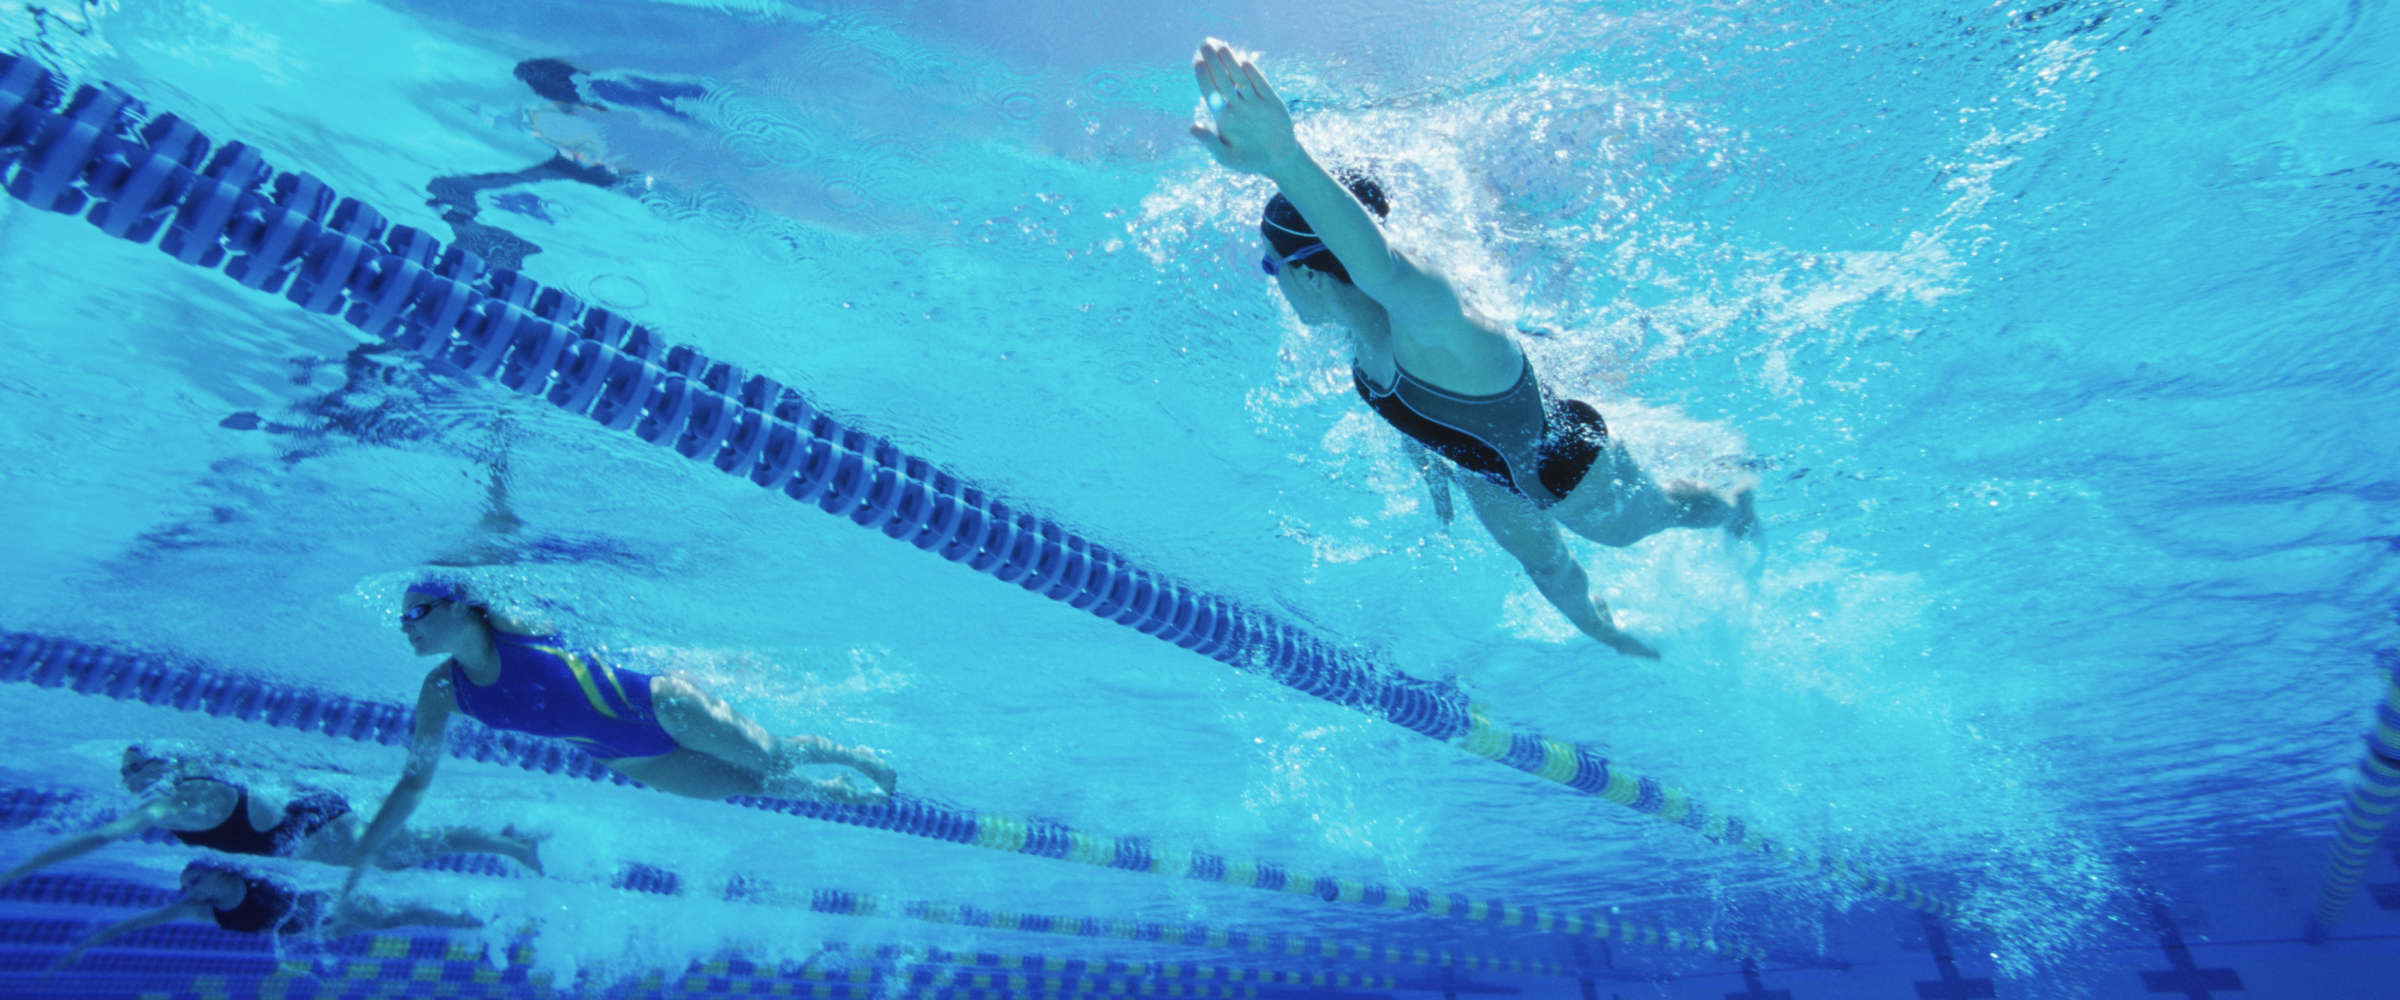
{"x":469,"y":840}
{"x":1533,"y":537}
{"x":362,"y":914}
{"x":702,"y":722}
{"x":336,"y":843}
{"x":1697,"y":506}
{"x":692,"y":774}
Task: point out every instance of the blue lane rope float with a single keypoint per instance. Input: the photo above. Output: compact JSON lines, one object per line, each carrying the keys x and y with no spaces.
{"x":423,"y":958}
{"x":93,"y":670}
{"x":288,"y":234}
{"x":81,"y":890}
{"x":644,"y":878}
{"x":2369,"y":808}
{"x":857,"y":904}
{"x":76,"y":889}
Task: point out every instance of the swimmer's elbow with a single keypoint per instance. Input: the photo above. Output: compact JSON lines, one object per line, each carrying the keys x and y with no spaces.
{"x":1405,"y":287}
{"x":1380,"y":275}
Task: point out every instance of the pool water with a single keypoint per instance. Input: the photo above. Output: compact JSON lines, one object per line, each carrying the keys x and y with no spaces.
{"x":2055,"y":339}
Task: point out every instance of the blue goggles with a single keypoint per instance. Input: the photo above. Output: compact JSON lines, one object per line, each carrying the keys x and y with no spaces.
{"x":1273,"y":265}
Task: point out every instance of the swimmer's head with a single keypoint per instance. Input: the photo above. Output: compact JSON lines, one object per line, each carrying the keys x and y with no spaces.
{"x":1292,"y":242}
{"x":443,"y":617}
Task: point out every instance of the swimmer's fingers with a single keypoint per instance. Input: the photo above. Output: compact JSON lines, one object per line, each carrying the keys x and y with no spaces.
{"x":1258,"y":84}
{"x":1212,"y":92}
{"x":1207,"y":81}
{"x":1216,"y":86}
{"x":1228,"y":76}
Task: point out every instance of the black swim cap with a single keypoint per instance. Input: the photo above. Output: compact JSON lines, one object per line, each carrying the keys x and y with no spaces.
{"x":1287,"y":232}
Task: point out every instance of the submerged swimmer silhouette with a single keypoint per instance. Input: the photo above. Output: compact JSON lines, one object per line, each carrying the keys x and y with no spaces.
{"x":1444,"y":376}
{"x":557,"y":81}
{"x":204,"y":806}
{"x":248,"y":902}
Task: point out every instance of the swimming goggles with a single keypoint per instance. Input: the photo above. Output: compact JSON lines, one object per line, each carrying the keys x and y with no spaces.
{"x":1271,"y":265}
{"x":416,"y":611}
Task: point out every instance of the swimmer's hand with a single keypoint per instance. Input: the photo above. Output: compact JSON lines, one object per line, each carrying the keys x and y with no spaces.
{"x":1630,"y":646}
{"x":349,"y":885}
{"x":1621,"y":642}
{"x":1254,"y":129}
{"x":1437,"y":479}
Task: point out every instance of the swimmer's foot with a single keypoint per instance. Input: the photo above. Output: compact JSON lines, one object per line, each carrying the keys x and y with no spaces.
{"x":1605,"y":630}
{"x":528,"y":847}
{"x":1744,"y":524}
{"x":870,"y":764}
{"x":819,"y":750}
{"x":841,"y":790}
{"x":1629,"y":646}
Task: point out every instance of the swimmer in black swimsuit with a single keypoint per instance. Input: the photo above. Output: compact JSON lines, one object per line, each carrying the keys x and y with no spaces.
{"x":204,"y":808}
{"x":1444,"y":376}
{"x":246,"y":902}
{"x":663,"y":731}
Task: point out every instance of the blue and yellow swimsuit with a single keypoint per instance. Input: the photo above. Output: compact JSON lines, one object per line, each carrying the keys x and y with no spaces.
{"x":546,"y":689}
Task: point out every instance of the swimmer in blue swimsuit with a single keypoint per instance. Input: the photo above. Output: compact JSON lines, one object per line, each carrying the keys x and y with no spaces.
{"x":1444,"y":376}
{"x":663,"y":731}
{"x":204,"y":807}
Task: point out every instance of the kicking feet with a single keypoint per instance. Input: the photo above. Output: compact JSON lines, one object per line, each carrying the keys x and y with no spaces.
{"x":527,"y":847}
{"x":800,"y":750}
{"x":1744,"y":523}
{"x":841,"y":790}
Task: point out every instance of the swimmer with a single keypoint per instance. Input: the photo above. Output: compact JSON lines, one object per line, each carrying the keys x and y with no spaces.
{"x":663,"y":731}
{"x":1438,"y":372}
{"x":246,"y":902}
{"x":204,"y":808}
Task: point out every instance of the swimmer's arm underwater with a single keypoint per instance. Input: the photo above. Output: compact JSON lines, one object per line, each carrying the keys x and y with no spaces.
{"x":434,"y":705}
{"x":1437,"y":479}
{"x":126,"y":827}
{"x":182,"y":909}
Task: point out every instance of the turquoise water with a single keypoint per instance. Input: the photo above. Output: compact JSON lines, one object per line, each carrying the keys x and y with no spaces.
{"x":2057,"y":341}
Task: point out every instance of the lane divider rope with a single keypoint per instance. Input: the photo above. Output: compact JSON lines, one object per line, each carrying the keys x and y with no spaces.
{"x":77,"y":889}
{"x":388,"y":960}
{"x":287,"y":233}
{"x":872,"y":964}
{"x":2367,"y":811}
{"x":92,"y":670}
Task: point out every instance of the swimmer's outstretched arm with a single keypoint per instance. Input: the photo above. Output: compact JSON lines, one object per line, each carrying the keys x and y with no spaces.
{"x":182,"y":909}
{"x":126,"y":827}
{"x":1254,"y":136}
{"x":434,"y":705}
{"x":1437,"y":479}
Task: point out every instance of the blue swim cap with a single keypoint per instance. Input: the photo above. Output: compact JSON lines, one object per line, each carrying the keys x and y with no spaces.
{"x":444,"y":590}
